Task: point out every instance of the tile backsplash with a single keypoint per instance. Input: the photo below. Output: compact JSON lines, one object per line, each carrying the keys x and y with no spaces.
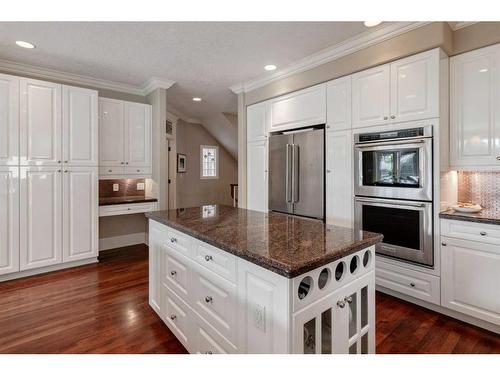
{"x":127,"y":188}
{"x":480,"y":187}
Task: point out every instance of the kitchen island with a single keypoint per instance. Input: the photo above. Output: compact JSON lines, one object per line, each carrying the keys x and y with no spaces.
{"x":230,"y":280}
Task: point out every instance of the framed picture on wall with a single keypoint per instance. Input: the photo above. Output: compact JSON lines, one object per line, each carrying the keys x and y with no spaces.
{"x":181,"y":163}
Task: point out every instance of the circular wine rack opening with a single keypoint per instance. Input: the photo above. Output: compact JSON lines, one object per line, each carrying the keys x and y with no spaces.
{"x":366,"y":258}
{"x":305,"y":287}
{"x":339,"y":271}
{"x":323,"y":278}
{"x":353,"y":266}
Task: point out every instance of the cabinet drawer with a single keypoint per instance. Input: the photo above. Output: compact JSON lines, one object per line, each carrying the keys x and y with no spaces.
{"x":413,"y":283}
{"x":208,"y":341}
{"x":216,"y":260}
{"x":126,"y":209}
{"x":215,"y":300}
{"x":179,"y":242}
{"x":487,"y":233}
{"x":176,"y":275}
{"x":178,"y":317}
{"x":103,"y":171}
{"x":137,"y":170}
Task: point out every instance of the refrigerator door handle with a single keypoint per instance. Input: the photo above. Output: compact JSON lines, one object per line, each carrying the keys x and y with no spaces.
{"x":288,"y":174}
{"x":295,"y":173}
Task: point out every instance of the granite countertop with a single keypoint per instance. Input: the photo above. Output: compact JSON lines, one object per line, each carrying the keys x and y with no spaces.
{"x":287,"y":245}
{"x":125,"y":200}
{"x":484,"y":216}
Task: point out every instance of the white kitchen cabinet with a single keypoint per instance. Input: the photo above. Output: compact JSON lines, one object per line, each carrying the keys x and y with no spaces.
{"x":40,"y":217}
{"x":156,"y":266}
{"x":80,"y":213}
{"x":371,"y":97}
{"x":300,"y":108}
{"x":475,"y":109}
{"x":9,"y":220}
{"x":257,"y":115}
{"x":9,"y":120}
{"x":338,"y":104}
{"x":339,"y":177}
{"x":257,"y":188}
{"x":111,"y":132}
{"x":137,"y":134}
{"x":470,"y":278}
{"x":40,"y":122}
{"x":79,"y":126}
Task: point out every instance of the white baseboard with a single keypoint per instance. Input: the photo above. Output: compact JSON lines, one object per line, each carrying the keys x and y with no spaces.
{"x":121,"y":241}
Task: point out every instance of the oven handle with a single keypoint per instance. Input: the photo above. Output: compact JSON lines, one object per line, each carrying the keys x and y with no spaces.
{"x":390,"y":143}
{"x":389,"y":202}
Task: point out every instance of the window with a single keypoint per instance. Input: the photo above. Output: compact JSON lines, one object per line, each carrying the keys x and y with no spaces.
{"x":209,"y":162}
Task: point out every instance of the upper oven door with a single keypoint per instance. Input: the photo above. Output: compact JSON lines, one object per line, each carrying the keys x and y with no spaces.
{"x":400,"y":169}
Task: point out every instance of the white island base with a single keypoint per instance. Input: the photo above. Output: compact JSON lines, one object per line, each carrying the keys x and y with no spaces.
{"x":216,"y":302}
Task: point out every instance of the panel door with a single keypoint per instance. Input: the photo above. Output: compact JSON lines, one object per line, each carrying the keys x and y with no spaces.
{"x":9,"y":120}
{"x":415,"y":87}
{"x":338,"y":104}
{"x":257,"y":176}
{"x":137,"y":134}
{"x":41,"y":217}
{"x":80,"y":126}
{"x":470,"y":278}
{"x":339,"y":177}
{"x":256,"y":122}
{"x":9,"y":220}
{"x":80,"y":213}
{"x":371,"y":97}
{"x":474,"y":108}
{"x":40,"y":122}
{"x":111,"y":132}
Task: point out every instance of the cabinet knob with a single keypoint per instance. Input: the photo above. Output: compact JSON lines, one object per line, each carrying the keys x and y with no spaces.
{"x":208,"y":299}
{"x":110,"y":170}
{"x":348,"y":300}
{"x":59,"y":161}
{"x":208,"y":352}
{"x":59,"y":170}
{"x":483,"y":233}
{"x":128,"y":209}
{"x":498,"y":157}
{"x":173,"y":240}
{"x":138,"y":170}
{"x":173,"y":317}
{"x":412,"y":285}
{"x":208,"y":258}
{"x":126,"y":162}
{"x":328,"y":171}
{"x":122,"y":163}
{"x":386,"y":118}
{"x":173,"y":273}
{"x":444,"y":244}
{"x":66,"y":171}
{"x":341,"y":304}
{"x":328,"y":126}
{"x":393,"y":117}
{"x":66,"y":161}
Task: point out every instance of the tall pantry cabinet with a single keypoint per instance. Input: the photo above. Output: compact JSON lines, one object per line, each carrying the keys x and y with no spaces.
{"x":48,"y":174}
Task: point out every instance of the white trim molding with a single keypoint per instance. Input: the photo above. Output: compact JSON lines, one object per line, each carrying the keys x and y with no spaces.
{"x":359,"y":42}
{"x":122,"y":241}
{"x":51,"y":74}
{"x":460,"y":25}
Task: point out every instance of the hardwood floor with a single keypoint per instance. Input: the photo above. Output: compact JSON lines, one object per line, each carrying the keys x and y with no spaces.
{"x":103,"y":308}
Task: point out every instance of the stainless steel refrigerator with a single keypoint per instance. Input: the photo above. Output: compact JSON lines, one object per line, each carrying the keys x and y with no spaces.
{"x":296,"y":172}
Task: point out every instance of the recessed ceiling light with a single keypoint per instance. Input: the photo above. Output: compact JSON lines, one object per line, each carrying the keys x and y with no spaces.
{"x":372,"y":23}
{"x":196,"y":99}
{"x":24,"y":44}
{"x":270,"y":67}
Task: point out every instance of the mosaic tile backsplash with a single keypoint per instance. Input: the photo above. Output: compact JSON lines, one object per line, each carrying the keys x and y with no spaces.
{"x":480,"y":187}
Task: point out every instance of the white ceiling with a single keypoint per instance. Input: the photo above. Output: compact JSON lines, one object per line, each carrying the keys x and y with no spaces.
{"x":203,"y":58}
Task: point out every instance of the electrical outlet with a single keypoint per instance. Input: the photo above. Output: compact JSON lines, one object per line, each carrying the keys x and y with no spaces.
{"x":140,"y":186}
{"x":259,"y":317}
{"x":116,"y":187}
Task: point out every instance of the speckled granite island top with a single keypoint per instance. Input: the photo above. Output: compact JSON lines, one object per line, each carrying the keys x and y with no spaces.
{"x":484,"y":216}
{"x":287,"y":245}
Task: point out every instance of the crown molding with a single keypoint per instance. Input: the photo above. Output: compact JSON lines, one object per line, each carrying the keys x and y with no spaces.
{"x":335,"y":52}
{"x":460,"y":25}
{"x":57,"y":75}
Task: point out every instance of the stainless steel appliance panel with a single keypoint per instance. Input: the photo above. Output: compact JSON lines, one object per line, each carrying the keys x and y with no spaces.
{"x":280,"y":173}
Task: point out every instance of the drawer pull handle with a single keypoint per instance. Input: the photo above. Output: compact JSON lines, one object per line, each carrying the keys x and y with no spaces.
{"x":173,"y":317}
{"x":412,"y":285}
{"x":173,"y":273}
{"x":341,"y":304}
{"x":483,"y":233}
{"x":208,"y":299}
{"x":208,"y":258}
{"x":208,"y":352}
{"x":128,"y":209}
{"x":348,"y":300}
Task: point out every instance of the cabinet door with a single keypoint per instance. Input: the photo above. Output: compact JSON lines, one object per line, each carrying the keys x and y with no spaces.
{"x":339,"y":176}
{"x":415,"y":87}
{"x":257,"y":176}
{"x":80,"y":126}
{"x":9,"y":120}
{"x":41,"y":217}
{"x":338,"y":104}
{"x":9,"y":220}
{"x":475,"y":108}
{"x":40,"y":122}
{"x":137,"y":134}
{"x":80,"y":213}
{"x":300,"y":108}
{"x":470,"y":278}
{"x":256,"y":122}
{"x":371,"y":97}
{"x":111,"y":132}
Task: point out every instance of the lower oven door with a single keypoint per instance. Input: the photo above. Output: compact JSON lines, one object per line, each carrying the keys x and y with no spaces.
{"x":406,"y":226}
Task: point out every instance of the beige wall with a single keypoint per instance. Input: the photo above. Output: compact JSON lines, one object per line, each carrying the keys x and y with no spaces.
{"x":191,"y":189}
{"x":479,"y":35}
